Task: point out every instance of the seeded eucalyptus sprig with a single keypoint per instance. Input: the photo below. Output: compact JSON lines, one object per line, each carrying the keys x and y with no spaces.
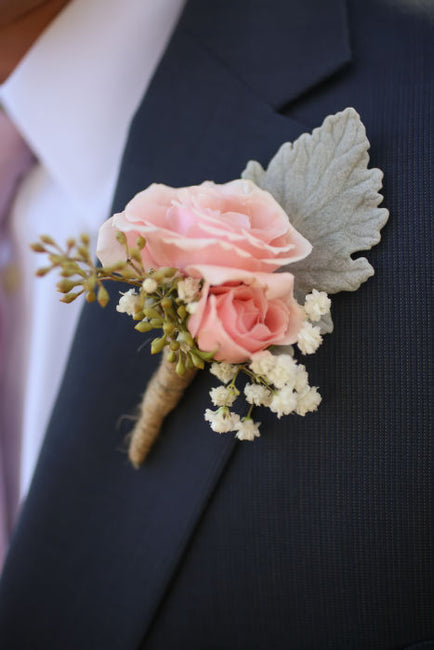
{"x":153,"y":300}
{"x":79,"y":273}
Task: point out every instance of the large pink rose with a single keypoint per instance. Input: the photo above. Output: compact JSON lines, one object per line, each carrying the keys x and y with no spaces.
{"x":240,"y":313}
{"x":236,"y":225}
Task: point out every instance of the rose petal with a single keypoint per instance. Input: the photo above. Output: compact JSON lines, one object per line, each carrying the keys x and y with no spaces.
{"x":276,"y":284}
{"x":235,"y":224}
{"x":212,"y":335}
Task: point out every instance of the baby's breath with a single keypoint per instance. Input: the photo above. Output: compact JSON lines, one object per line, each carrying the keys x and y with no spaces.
{"x":309,"y":338}
{"x":284,"y":401}
{"x":222,"y":420}
{"x":308,"y":400}
{"x":127,"y":302}
{"x":149,"y":285}
{"x":317,"y":304}
{"x":222,"y":396}
{"x":248,"y":430}
{"x":258,"y":395}
{"x":224,"y":371}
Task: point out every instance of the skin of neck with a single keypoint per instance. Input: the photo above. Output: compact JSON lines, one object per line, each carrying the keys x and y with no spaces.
{"x":21,"y":23}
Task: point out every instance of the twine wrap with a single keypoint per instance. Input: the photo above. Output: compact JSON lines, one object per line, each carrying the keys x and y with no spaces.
{"x":162,"y":395}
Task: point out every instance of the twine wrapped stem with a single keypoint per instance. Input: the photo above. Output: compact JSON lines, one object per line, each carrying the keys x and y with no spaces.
{"x":162,"y":395}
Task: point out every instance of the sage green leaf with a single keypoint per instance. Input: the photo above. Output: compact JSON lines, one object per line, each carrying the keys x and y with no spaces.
{"x":323,"y":183}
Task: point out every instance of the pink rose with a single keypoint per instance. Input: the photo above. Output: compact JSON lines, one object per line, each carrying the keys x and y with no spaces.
{"x":236,"y":225}
{"x":240,"y":313}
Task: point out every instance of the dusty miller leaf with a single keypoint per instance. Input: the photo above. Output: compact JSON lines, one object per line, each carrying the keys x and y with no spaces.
{"x":323,"y":183}
{"x":325,"y":324}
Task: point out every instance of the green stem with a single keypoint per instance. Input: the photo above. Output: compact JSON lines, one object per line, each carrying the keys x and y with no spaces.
{"x":139,"y":272}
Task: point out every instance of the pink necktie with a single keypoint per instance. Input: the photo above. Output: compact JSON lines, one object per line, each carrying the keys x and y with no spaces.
{"x":15,"y":160}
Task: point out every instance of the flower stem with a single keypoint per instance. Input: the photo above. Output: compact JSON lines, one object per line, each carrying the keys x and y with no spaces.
{"x":162,"y":394}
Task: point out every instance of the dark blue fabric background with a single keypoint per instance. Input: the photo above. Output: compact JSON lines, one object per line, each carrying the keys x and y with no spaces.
{"x":319,"y":534}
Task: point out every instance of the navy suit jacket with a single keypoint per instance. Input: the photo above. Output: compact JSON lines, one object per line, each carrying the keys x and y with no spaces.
{"x":317,"y":535}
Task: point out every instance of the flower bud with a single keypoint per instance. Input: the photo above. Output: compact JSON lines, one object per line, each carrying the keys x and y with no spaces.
{"x":121,"y":238}
{"x":185,"y":337}
{"x":158,"y":344}
{"x":164,"y":272}
{"x":181,"y":311}
{"x":69,"y":297}
{"x":135,"y":255}
{"x":169,"y":311}
{"x":172,"y":356}
{"x":206,"y":356}
{"x":143,"y":326}
{"x":150,"y":312}
{"x":48,"y":240}
{"x":90,"y":283}
{"x":65,"y":286}
{"x":37,"y":248}
{"x":168,"y":328}
{"x":166,"y":303}
{"x":117,"y":266}
{"x":90,"y":296}
{"x":103,"y":296}
{"x":180,"y":368}
{"x":69,"y":269}
{"x":149,"y":285}
{"x":56,"y":259}
{"x":43,"y":271}
{"x":197,"y":361}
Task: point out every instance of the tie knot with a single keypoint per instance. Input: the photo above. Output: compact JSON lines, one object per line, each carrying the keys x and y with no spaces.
{"x":15,"y":160}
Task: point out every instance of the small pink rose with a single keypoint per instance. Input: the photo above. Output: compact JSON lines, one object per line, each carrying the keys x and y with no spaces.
{"x":235,"y":224}
{"x":241,"y":313}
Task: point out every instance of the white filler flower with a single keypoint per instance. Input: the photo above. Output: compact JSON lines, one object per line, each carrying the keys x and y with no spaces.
{"x":248,"y":430}
{"x":257,"y":395}
{"x":308,"y":401}
{"x":309,"y":338}
{"x":222,"y":420}
{"x":222,"y":396}
{"x":149,"y":285}
{"x":284,"y":401}
{"x":223,"y":371}
{"x":317,"y":304}
{"x":127,"y":302}
{"x":188,"y":289}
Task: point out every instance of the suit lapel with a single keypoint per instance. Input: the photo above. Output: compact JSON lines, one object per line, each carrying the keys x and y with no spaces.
{"x":111,"y":534}
{"x":279,"y":49}
{"x":229,"y":67}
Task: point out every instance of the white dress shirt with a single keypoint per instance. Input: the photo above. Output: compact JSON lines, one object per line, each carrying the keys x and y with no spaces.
{"x":72,"y":97}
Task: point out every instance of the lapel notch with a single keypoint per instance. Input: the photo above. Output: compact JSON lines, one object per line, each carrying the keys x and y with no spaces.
{"x":279,"y":49}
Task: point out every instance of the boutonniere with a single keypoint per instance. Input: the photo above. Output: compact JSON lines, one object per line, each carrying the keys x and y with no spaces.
{"x":236,"y":277}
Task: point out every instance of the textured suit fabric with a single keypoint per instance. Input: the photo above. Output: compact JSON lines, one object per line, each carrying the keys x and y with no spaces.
{"x":317,"y":535}
{"x":320,"y":535}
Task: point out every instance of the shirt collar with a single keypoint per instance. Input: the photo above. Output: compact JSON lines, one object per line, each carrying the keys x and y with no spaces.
{"x":74,"y":93}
